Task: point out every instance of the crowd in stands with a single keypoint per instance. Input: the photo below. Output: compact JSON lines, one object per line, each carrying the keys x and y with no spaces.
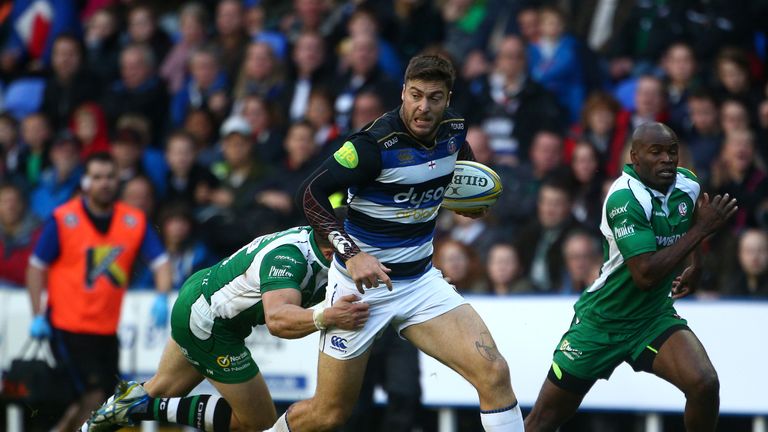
{"x":216,"y":111}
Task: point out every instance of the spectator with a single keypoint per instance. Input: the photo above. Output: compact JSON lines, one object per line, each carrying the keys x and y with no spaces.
{"x":604,"y":125}
{"x":505,"y":274}
{"x":751,"y":278}
{"x":541,"y":241}
{"x":83,"y":258}
{"x":732,"y":78}
{"x":411,"y":26}
{"x":32,"y":29}
{"x":139,"y":193}
{"x":587,"y":179}
{"x":239,"y":173}
{"x":70,"y":84}
{"x":582,"y":256}
{"x":102,"y":43}
{"x":363,"y":74}
{"x":231,"y":37}
{"x":364,"y":22}
{"x":734,"y":116}
{"x":206,"y":87}
{"x":126,"y":149}
{"x":186,"y":253}
{"x":256,"y":27}
{"x":306,"y":16}
{"x":763,"y":129}
{"x":89,"y":126}
{"x":202,"y":126}
{"x":555,"y":63}
{"x":143,"y":29}
{"x":10,"y":145}
{"x":33,"y":158}
{"x":262,"y":119}
{"x":193,"y":22}
{"x":260,"y":74}
{"x":19,"y":231}
{"x":648,"y":30}
{"x":475,"y":233}
{"x":300,"y":161}
{"x":510,"y":106}
{"x":307,"y":74}
{"x":152,"y":159}
{"x":60,"y":181}
{"x":650,"y":101}
{"x":702,"y":132}
{"x":461,"y":21}
{"x":739,"y":174}
{"x":139,"y":90}
{"x":528,"y":20}
{"x":188,"y":182}
{"x":320,"y":115}
{"x":460,"y":266}
{"x":679,"y":65}
{"x":234,"y":210}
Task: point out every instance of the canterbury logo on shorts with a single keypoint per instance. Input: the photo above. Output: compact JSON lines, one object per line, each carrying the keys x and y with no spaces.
{"x":339,"y":343}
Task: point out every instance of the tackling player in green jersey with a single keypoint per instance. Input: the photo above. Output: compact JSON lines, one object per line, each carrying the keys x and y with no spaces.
{"x":653,"y":220}
{"x":272,"y":280}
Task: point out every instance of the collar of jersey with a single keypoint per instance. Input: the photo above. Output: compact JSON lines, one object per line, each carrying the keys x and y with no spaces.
{"x":630,"y":171}
{"x":318,"y":252}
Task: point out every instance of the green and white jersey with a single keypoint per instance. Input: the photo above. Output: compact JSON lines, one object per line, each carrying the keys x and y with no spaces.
{"x":229,"y":293}
{"x":636,"y":219}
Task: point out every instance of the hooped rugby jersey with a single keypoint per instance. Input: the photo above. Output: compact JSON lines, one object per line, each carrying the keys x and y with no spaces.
{"x":392,"y":217}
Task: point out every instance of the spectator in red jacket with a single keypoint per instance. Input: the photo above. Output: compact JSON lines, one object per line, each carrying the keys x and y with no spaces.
{"x":19,"y":230}
{"x":604,"y":125}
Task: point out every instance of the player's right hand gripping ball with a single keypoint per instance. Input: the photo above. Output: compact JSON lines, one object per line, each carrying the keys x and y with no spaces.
{"x":474,"y":187}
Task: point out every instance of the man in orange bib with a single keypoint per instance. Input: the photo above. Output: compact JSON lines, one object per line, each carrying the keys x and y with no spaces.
{"x":84,"y":257}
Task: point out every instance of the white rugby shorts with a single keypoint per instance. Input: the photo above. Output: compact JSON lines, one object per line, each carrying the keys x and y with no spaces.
{"x":410,"y":302}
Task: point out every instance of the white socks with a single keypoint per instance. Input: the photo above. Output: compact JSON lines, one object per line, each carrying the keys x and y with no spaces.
{"x":508,"y":419}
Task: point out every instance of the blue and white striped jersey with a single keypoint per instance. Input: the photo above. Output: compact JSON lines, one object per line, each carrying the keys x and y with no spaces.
{"x":392,"y":216}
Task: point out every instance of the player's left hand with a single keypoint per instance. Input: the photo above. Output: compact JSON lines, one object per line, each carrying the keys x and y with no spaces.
{"x":160,"y":310}
{"x":686,"y":283}
{"x":473,"y":214}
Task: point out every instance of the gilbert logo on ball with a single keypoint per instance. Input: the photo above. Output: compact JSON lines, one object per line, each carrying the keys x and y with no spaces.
{"x":474,"y":187}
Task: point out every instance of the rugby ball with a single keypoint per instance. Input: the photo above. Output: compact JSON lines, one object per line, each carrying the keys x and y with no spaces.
{"x":474,"y":187}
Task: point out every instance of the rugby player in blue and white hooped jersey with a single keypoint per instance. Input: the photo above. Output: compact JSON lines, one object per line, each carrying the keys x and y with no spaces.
{"x":396,"y":171}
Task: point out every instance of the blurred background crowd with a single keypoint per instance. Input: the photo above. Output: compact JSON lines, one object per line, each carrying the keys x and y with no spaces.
{"x":215,"y":112}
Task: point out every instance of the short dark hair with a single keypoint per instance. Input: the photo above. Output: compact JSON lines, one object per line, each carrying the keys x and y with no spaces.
{"x":431,"y":68}
{"x":102,"y":157}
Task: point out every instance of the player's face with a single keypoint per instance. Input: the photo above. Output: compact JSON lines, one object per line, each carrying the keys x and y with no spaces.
{"x":103,"y":183}
{"x":423,"y":105}
{"x":655,"y":162}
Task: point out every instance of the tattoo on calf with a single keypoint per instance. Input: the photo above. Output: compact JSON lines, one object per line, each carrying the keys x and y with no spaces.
{"x":487,"y":347}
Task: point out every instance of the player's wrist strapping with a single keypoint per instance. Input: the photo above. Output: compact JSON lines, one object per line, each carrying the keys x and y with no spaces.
{"x":318,"y":316}
{"x":343,"y":245}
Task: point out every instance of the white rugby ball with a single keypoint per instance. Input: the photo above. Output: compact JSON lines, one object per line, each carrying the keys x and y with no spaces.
{"x":474,"y":187}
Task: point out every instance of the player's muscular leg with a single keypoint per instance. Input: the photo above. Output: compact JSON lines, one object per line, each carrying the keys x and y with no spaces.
{"x":338,"y":385}
{"x":683,"y":362}
{"x":461,"y":340}
{"x":553,"y":407}
{"x":252,"y":406}
{"x":175,"y":377}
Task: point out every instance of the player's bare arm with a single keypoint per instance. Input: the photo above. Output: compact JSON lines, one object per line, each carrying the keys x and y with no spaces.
{"x":689,"y":279}
{"x":650,"y":268}
{"x":288,"y":320}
